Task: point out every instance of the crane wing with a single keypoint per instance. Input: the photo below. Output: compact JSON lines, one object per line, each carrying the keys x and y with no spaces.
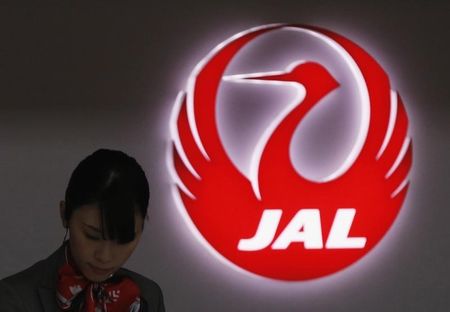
{"x":373,"y":180}
{"x":217,"y":197}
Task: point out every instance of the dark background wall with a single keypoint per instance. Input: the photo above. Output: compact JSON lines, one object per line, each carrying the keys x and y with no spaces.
{"x":74,"y":78}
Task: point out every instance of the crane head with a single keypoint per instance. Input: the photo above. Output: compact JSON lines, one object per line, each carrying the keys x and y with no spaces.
{"x":311,"y":75}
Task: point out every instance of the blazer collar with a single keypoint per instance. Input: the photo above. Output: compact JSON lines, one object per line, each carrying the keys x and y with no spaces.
{"x":49,"y":277}
{"x":47,"y":286}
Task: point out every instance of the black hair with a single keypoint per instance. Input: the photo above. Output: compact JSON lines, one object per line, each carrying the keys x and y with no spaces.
{"x":117,"y":184}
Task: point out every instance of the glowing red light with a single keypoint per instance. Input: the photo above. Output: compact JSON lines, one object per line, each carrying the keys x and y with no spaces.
{"x":274,"y":222}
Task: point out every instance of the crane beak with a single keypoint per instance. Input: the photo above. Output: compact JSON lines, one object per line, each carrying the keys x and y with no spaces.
{"x":259,"y":77}
{"x":307,"y":74}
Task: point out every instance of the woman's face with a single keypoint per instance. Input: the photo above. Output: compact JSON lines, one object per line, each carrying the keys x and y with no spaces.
{"x":96,"y":258}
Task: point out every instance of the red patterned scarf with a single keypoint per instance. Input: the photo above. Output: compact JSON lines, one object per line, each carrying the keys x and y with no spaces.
{"x":116,"y":294}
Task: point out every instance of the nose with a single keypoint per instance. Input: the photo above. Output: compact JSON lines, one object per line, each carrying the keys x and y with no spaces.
{"x":104,"y":252}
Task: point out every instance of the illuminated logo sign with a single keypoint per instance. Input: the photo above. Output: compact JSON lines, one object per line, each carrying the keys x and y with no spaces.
{"x":272,"y":220}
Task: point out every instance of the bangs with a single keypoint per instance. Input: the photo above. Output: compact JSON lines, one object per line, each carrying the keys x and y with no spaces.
{"x":118,"y":211}
{"x":114,"y":182}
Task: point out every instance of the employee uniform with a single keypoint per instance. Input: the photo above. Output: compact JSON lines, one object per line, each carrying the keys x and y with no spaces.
{"x":35,"y":289}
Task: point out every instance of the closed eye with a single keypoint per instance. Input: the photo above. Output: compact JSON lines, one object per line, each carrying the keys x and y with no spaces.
{"x":91,"y":237}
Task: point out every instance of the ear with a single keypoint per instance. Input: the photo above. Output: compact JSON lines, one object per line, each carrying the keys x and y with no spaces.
{"x":62,"y":210}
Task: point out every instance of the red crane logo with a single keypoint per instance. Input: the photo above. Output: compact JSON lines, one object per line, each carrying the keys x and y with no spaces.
{"x":275,"y":222}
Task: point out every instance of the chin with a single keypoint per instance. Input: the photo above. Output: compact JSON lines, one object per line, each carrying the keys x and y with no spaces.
{"x":95,"y":278}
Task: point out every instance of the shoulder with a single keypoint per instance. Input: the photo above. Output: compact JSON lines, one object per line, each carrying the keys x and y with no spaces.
{"x":18,"y":292}
{"x":27,"y":277}
{"x":150,"y":290}
{"x":40,"y":273}
{"x":9,"y":297}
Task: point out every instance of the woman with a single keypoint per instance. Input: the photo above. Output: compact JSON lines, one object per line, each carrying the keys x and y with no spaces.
{"x":104,"y":210}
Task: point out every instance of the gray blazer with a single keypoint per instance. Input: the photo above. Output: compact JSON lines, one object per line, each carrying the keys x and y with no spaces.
{"x":34,"y":289}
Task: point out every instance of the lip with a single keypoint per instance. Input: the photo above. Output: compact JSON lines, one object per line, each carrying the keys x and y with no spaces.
{"x":100,"y":271}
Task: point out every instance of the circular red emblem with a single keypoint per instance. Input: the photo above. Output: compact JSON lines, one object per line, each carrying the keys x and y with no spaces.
{"x":272,"y":220}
